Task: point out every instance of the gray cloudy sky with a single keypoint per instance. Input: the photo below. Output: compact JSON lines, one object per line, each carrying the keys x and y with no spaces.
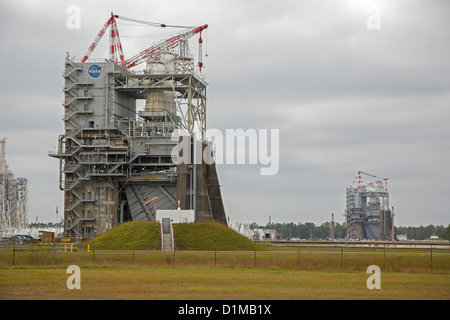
{"x":344,"y":97}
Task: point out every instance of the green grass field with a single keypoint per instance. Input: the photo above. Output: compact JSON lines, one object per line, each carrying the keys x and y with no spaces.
{"x":100,"y":282}
{"x":213,"y":262}
{"x":310,"y":273}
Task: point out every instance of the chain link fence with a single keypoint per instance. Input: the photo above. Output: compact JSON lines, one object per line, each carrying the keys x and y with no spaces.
{"x":302,"y":257}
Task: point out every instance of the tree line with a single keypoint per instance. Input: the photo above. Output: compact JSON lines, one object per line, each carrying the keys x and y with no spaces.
{"x":422,"y":232}
{"x":45,"y":225}
{"x":309,"y":230}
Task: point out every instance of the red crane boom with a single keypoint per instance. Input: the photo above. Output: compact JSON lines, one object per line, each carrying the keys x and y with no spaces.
{"x":358,"y":178}
{"x":115,"y":48}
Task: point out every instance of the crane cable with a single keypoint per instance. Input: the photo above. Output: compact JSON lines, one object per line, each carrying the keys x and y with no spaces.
{"x":155,"y":24}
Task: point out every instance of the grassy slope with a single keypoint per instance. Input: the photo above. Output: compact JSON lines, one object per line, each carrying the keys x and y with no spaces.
{"x":190,"y":236}
{"x":205,"y":235}
{"x":144,"y":235}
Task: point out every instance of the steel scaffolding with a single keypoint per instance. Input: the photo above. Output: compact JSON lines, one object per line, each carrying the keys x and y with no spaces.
{"x":368,"y":216}
{"x":13,"y":195}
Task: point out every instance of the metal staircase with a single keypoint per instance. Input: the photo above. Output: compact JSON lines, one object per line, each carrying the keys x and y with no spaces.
{"x":166,"y":235}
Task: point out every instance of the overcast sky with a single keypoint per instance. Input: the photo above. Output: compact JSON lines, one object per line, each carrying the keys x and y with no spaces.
{"x":351,"y":85}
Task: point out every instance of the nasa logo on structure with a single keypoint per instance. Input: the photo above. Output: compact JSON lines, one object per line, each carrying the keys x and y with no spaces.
{"x":95,"y":71}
